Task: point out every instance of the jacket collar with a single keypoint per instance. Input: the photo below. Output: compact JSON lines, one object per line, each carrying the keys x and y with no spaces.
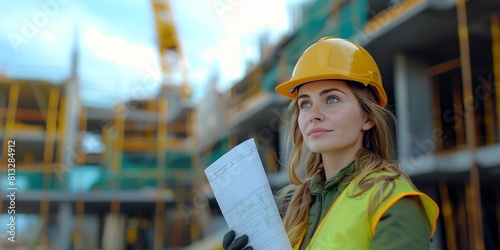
{"x":318,"y":184}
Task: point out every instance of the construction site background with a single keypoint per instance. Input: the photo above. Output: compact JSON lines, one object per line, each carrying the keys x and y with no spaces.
{"x":129,"y":175}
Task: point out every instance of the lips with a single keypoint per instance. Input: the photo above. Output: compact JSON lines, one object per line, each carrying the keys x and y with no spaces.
{"x":317,"y":131}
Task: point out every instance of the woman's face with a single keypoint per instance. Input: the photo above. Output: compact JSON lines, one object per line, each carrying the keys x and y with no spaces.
{"x":330,"y":117}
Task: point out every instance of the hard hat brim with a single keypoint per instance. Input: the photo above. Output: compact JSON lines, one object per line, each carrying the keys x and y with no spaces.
{"x":289,"y":88}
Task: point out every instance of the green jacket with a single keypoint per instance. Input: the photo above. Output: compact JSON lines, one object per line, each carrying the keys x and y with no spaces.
{"x":396,"y":229}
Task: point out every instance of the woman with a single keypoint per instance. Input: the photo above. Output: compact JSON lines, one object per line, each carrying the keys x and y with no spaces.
{"x":352,"y":196}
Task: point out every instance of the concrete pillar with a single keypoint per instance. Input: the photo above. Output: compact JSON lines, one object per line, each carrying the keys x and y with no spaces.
{"x":402,"y":104}
{"x":71,"y":114}
{"x":66,"y":218}
{"x":413,"y":97}
{"x":90,"y":232}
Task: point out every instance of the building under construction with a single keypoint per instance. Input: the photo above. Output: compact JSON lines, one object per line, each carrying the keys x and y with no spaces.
{"x":132,"y":176}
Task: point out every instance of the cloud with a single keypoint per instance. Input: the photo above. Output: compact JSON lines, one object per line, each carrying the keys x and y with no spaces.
{"x":122,"y":52}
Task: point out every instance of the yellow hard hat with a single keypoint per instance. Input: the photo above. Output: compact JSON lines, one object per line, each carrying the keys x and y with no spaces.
{"x":334,"y":58}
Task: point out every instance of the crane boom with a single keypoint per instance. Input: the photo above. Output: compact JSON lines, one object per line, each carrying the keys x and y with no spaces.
{"x":168,"y":44}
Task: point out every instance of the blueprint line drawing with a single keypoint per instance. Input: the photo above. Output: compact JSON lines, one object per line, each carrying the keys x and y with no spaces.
{"x":256,"y":211}
{"x":233,"y":167}
{"x":242,"y":191}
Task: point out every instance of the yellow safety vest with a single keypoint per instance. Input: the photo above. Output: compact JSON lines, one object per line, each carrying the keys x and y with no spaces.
{"x":347,"y":224}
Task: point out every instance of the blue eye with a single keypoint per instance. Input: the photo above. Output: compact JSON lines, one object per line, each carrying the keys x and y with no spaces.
{"x":332,"y":99}
{"x":304,"y":104}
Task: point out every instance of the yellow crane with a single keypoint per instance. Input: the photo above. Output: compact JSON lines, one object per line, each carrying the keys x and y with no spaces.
{"x":168,"y":43}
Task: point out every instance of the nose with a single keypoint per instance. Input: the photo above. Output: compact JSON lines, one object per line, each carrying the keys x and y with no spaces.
{"x":315,"y":114}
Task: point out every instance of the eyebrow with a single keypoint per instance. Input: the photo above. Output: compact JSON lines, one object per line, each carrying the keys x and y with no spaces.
{"x":323,"y":92}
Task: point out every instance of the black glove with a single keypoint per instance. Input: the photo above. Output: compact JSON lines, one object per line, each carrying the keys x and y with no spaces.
{"x":239,"y":243}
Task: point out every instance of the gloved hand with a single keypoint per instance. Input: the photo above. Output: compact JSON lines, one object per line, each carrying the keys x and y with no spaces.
{"x":238,"y":244}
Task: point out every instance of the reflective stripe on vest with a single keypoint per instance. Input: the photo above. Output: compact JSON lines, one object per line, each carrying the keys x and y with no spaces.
{"x":348,"y":216}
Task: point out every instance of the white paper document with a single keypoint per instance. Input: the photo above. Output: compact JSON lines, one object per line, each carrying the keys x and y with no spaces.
{"x":242,"y":191}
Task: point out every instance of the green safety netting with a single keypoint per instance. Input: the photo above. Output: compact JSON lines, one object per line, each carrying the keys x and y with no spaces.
{"x":109,"y":182}
{"x":173,"y":160}
{"x":35,"y":181}
{"x":352,"y":18}
{"x":140,"y":170}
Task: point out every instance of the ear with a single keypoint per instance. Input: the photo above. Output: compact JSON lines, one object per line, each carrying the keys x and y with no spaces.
{"x":367,"y":124}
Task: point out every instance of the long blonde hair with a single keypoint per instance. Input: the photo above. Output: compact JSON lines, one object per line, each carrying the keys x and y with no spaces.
{"x":375,"y":155}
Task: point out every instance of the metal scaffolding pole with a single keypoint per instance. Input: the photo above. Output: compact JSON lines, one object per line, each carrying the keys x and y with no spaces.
{"x":476,"y":238}
{"x":162,"y":137}
{"x":495,"y":48}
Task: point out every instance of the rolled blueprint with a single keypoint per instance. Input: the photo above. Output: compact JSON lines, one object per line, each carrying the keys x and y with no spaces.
{"x":242,"y":191}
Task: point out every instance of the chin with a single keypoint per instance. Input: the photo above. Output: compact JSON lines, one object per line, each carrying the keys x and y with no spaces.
{"x":319,"y":147}
{"x":329,"y":145}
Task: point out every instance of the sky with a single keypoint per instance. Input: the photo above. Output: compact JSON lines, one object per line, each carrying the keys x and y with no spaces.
{"x":116,"y":42}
